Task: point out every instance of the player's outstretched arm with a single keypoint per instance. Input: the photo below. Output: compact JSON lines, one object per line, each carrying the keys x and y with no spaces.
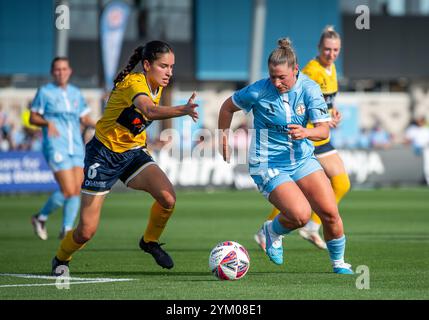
{"x":152,"y":112}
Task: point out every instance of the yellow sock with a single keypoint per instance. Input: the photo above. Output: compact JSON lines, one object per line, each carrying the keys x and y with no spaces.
{"x":67,"y":247}
{"x":157,"y":221}
{"x":315,"y":218}
{"x":273,"y":213}
{"x":341,"y":185}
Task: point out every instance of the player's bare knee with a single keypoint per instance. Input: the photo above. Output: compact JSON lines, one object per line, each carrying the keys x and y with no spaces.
{"x":84,"y":235}
{"x":77,"y":191}
{"x":331,"y":218}
{"x":304,"y":216}
{"x":168,"y":200}
{"x":305,"y":219}
{"x":68,"y":193}
{"x":301,"y":221}
{"x":300,"y":218}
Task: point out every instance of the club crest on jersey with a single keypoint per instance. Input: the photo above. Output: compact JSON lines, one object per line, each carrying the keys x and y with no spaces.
{"x":300,"y":109}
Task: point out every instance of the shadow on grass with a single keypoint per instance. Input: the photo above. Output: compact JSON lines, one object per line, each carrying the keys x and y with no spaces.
{"x":139,"y":273}
{"x":208,"y":275}
{"x":203,"y":250}
{"x":307,"y":273}
{"x":128,"y":249}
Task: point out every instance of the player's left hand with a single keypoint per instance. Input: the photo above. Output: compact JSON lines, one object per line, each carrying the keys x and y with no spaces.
{"x":336,"y":117}
{"x":297,"y":132}
{"x":191,"y":106}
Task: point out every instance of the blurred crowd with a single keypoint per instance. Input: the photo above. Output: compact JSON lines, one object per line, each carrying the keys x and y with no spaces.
{"x":25,"y":137}
{"x":28,"y":137}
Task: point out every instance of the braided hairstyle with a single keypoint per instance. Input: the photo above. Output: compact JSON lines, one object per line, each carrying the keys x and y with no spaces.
{"x":284,"y":53}
{"x":150,"y":52}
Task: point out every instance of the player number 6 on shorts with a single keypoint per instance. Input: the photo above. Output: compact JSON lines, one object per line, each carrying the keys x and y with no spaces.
{"x":92,"y":170}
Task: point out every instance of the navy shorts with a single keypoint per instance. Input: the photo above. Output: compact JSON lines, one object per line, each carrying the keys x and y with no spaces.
{"x":324,"y":150}
{"x":104,"y":167}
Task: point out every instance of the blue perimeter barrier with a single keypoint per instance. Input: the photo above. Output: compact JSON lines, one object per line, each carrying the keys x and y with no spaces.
{"x":25,"y":171}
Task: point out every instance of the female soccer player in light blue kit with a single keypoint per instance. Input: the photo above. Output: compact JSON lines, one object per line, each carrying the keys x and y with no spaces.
{"x":59,"y":108}
{"x":281,"y":159}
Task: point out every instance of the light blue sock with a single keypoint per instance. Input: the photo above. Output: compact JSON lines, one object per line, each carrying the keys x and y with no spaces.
{"x":55,"y":201}
{"x":336,"y":248}
{"x":278,"y":227}
{"x":71,"y":208}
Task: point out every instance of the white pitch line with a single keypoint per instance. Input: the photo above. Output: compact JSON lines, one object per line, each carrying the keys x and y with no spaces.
{"x":54,"y":284}
{"x":32,"y":276}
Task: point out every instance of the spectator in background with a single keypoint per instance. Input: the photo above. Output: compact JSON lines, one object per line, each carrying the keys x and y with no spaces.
{"x":417,"y":135}
{"x":30,"y":137}
{"x":6,"y":131}
{"x":364,"y":141}
{"x":379,"y":138}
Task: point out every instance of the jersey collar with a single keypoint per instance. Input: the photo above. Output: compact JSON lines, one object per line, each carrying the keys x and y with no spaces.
{"x":297,"y":86}
{"x":153,"y":94}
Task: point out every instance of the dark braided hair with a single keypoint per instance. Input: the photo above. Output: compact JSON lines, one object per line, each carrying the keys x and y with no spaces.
{"x":150,"y":52}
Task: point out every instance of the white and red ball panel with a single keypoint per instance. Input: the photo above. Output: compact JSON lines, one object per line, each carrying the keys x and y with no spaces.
{"x":229,"y":260}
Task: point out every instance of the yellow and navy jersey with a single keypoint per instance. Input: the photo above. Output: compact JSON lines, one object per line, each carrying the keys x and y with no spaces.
{"x":328,"y":84}
{"x":122,"y":126}
{"x":326,"y":80}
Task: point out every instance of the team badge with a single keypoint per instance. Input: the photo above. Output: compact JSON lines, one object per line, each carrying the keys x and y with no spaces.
{"x":300,"y":109}
{"x":58,"y":157}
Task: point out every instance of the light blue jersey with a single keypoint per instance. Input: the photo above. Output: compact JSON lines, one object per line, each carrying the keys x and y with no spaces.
{"x":273,"y":155}
{"x":273,"y":112}
{"x":63,"y":107}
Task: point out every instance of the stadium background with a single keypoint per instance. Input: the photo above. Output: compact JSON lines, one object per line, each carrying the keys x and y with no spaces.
{"x":382,"y":71}
{"x":384,"y":81}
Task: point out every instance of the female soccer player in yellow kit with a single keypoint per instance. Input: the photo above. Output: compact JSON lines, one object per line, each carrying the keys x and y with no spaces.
{"x":118,"y":151}
{"x":322,"y":70}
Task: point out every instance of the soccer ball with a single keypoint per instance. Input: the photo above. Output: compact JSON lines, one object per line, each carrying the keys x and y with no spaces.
{"x":229,"y":260}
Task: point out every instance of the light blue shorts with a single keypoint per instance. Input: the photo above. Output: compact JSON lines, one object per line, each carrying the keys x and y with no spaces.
{"x":270,"y":178}
{"x":59,"y":161}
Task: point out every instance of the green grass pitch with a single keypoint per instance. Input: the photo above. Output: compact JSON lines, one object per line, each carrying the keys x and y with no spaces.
{"x":387,"y":230}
